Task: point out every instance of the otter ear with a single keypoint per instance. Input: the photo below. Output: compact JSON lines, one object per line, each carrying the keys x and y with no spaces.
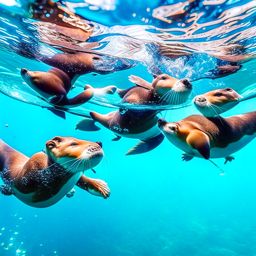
{"x":199,"y":141}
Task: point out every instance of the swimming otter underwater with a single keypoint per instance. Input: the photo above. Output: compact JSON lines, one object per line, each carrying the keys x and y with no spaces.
{"x":141,"y":124}
{"x":46,"y":177}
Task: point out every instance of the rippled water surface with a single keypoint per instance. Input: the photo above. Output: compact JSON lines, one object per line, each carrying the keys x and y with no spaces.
{"x":159,"y":205}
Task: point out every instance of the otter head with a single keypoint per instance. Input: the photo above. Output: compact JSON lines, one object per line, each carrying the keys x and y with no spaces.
{"x":216,"y":102}
{"x":74,"y":155}
{"x":45,"y":83}
{"x":170,"y":129}
{"x":171,"y":90}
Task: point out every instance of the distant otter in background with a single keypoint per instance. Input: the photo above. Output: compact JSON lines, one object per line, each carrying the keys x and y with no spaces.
{"x":45,"y":178}
{"x":141,"y":123}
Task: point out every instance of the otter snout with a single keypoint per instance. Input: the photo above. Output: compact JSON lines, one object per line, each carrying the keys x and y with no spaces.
{"x":95,"y":148}
{"x":186,"y":83}
{"x":23,"y":71}
{"x":200,"y":99}
{"x":161,"y":122}
{"x":99,"y":143}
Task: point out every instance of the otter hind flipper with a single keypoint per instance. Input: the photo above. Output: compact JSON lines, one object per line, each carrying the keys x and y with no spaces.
{"x":80,"y":99}
{"x":104,"y":119}
{"x":87,"y":124}
{"x":147,"y":145}
{"x":111,"y":89}
{"x":6,"y":190}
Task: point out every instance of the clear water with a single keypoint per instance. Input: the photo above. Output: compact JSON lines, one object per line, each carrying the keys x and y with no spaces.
{"x":159,"y":205}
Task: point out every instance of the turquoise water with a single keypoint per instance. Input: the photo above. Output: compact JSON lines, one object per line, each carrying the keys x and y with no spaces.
{"x":159,"y":205}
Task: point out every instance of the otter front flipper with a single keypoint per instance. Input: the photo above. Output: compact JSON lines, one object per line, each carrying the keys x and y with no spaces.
{"x":71,"y":193}
{"x":94,"y":186}
{"x":186,"y":157}
{"x":6,"y":190}
{"x":140,"y":82}
{"x":147,"y":145}
{"x":111,"y":89}
{"x":200,"y":142}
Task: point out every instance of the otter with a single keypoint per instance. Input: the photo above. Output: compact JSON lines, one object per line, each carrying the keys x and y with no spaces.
{"x":46,"y":177}
{"x":141,"y":123}
{"x":214,"y":137}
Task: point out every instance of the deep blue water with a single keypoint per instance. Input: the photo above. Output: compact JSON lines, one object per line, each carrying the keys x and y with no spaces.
{"x":159,"y":205}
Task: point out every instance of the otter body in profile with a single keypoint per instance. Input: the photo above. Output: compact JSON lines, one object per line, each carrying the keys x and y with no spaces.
{"x":141,"y":124}
{"x":208,"y":138}
{"x":45,"y":178}
{"x":55,"y":85}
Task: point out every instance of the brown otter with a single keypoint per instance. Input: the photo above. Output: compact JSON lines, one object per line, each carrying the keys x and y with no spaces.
{"x":214,"y":137}
{"x":141,"y":123}
{"x":55,"y":85}
{"x":45,"y":178}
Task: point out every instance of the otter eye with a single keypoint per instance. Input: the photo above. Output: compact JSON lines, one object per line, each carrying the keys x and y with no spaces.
{"x":218,"y":94}
{"x":73,"y":144}
{"x":96,"y":58}
{"x":229,"y":89}
{"x":163,"y":77}
{"x":58,"y":139}
{"x":172,"y":128}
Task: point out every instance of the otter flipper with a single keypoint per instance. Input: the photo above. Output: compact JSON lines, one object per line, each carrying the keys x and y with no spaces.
{"x":6,"y":190}
{"x":200,"y":142}
{"x":80,"y":99}
{"x":103,"y":119}
{"x":111,"y":89}
{"x":94,"y":186}
{"x":71,"y":193}
{"x":87,"y":124}
{"x":147,"y":145}
{"x":140,"y":82}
